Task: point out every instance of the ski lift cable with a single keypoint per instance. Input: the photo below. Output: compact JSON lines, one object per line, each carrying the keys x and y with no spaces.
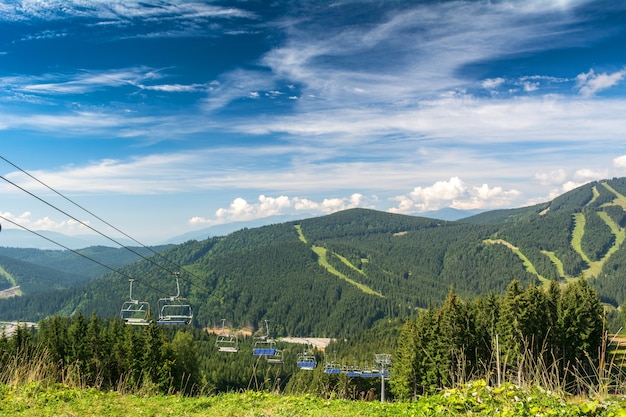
{"x":96,"y":216}
{"x":92,"y":228}
{"x":76,"y":252}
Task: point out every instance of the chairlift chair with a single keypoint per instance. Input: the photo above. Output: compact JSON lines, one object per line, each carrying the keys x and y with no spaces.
{"x":226,"y":342}
{"x":135,"y":312}
{"x":306,"y":360}
{"x":332,"y":368}
{"x":277,"y":357}
{"x":353,"y":371}
{"x":264,"y":345}
{"x":174,"y":310}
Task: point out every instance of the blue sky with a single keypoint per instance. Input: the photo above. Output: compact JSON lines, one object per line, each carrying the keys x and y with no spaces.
{"x":164,"y":117}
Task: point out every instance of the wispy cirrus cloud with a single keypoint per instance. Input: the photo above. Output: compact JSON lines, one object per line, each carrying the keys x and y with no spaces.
{"x":85,"y":81}
{"x":412,"y":52}
{"x":114,"y":10}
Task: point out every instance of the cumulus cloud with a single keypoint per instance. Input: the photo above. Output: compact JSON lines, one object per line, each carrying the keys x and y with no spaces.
{"x":492,"y":83}
{"x":26,"y":221}
{"x":453,"y":193}
{"x":556,"y":176}
{"x":589,"y":83}
{"x":241,"y":210}
{"x":620,"y":162}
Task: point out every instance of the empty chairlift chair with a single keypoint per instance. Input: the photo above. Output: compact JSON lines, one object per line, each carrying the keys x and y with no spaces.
{"x":226,"y":342}
{"x":266,"y":347}
{"x":135,"y":312}
{"x":306,"y":360}
{"x":174,"y":310}
{"x":332,"y":368}
{"x":277,"y":357}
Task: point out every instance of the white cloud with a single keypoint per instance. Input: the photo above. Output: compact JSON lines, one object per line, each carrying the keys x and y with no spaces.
{"x":493,"y":83}
{"x":87,"y":81}
{"x":115,"y":10}
{"x":530,"y":86}
{"x":590,"y":83}
{"x":240,"y":209}
{"x":465,"y":119}
{"x":556,"y":176}
{"x":453,"y":193}
{"x":620,"y":162}
{"x":175,"y":88}
{"x":26,"y":221}
{"x":585,"y":175}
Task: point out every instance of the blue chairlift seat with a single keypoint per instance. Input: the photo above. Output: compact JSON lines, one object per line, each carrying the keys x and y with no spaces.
{"x":307,"y":366}
{"x":276,"y":357}
{"x":306,"y":361}
{"x":332,"y":368}
{"x":264,"y":346}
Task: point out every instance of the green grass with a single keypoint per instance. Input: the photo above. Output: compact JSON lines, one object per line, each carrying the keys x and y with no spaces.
{"x":595,"y":267}
{"x":322,"y":254}
{"x":476,"y":398}
{"x":620,"y":200}
{"x":527,"y":264}
{"x":10,"y":278}
{"x":556,"y":262}
{"x":577,"y":236}
{"x":349,"y":264}
{"x":300,"y":234}
{"x":323,"y":261}
{"x":596,"y":194}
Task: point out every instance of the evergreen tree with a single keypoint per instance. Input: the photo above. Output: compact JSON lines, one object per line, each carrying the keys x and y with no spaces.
{"x":157,"y":358}
{"x":77,"y":352}
{"x":508,"y":327}
{"x":185,"y":369}
{"x":406,"y":371}
{"x":582,"y":320}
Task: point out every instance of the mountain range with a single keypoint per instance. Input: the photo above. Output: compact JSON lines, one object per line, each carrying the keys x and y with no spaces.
{"x":339,"y":274}
{"x":48,"y":240}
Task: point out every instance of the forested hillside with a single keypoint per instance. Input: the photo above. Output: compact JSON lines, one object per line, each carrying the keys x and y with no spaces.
{"x":339,"y":274}
{"x":35,"y":270}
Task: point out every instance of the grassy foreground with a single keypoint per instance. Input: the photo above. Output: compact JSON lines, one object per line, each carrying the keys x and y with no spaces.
{"x":35,"y":399}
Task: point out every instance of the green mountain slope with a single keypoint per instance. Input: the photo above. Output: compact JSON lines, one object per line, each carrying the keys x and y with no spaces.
{"x":35,"y":270}
{"x":341,"y":273}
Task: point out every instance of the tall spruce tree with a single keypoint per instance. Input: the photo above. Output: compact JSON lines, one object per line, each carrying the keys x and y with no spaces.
{"x":582,"y":319}
{"x":406,"y":378}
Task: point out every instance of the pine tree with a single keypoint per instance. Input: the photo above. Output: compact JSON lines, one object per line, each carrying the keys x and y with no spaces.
{"x":406,"y":370}
{"x":508,"y":328}
{"x":582,"y":322}
{"x":77,"y":352}
{"x":185,"y":369}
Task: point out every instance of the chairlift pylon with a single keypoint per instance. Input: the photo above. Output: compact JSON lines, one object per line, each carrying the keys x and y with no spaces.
{"x":227,"y":342}
{"x":174,"y":310}
{"x":135,"y":312}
